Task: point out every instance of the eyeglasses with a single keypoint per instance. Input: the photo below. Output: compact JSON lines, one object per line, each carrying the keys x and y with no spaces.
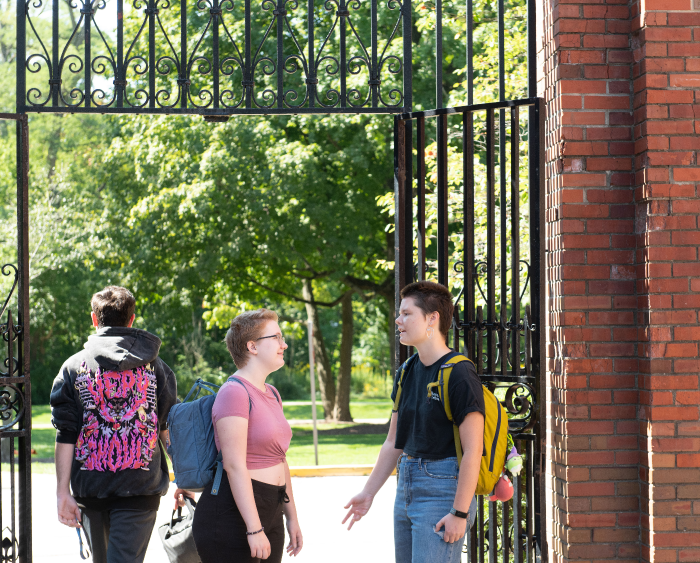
{"x":279,"y":338}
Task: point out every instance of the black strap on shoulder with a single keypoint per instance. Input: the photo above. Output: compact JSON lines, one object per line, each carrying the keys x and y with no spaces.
{"x":250,"y":402}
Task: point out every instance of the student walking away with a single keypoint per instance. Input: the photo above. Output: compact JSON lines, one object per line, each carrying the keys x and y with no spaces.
{"x":109,"y":404}
{"x":241,"y":521}
{"x":435,"y":502}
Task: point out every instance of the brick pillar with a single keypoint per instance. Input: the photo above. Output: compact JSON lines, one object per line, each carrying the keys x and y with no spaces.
{"x":666,"y":36}
{"x":593,"y":367}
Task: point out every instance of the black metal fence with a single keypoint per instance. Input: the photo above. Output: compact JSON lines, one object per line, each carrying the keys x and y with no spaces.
{"x":217,"y":57}
{"x":15,"y":387}
{"x":470,"y":219}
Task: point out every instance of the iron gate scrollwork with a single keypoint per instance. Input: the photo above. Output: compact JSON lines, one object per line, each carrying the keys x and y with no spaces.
{"x":493,"y":243}
{"x":347,"y":56}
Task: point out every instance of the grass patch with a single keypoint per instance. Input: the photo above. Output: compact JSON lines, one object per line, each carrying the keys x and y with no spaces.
{"x":380,"y":408}
{"x":335,"y":449}
{"x":41,"y":414}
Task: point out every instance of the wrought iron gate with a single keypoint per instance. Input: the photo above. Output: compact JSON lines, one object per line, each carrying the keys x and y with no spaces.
{"x":15,"y":388}
{"x":470,"y":233}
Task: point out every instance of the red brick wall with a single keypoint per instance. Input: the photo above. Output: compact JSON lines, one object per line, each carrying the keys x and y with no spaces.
{"x":666,"y":42}
{"x":621,"y":82}
{"x":591,"y":249}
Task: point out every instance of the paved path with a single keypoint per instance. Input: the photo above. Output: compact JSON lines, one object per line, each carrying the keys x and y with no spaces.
{"x":320,"y":502}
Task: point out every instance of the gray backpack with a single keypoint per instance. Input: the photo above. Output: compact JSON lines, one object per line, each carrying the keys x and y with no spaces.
{"x":196,"y":462}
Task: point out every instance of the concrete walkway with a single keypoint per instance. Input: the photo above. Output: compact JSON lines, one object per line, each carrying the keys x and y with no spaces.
{"x":320,"y":502}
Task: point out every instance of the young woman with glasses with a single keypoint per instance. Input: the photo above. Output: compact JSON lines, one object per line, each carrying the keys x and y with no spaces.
{"x":243,"y":523}
{"x":435,"y":502}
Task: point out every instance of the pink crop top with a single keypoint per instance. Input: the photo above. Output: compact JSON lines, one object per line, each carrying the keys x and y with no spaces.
{"x":269,"y":433}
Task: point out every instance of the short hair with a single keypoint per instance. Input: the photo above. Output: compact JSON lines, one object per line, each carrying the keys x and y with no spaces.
{"x":246,"y":327}
{"x":432,"y":297}
{"x":113,"y":306}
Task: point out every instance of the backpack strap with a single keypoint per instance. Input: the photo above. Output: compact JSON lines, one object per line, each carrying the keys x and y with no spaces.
{"x":220,"y":458}
{"x":404,"y":368}
{"x":442,"y":385}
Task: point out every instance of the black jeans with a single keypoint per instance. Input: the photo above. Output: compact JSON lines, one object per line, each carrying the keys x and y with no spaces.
{"x":220,"y":531}
{"x":119,"y":535}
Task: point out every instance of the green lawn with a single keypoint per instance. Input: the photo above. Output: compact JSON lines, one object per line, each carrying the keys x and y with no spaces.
{"x":380,"y":408}
{"x":333,"y":449}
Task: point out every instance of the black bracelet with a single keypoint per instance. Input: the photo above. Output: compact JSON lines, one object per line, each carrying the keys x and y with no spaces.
{"x":256,"y":532}
{"x":458,"y":513}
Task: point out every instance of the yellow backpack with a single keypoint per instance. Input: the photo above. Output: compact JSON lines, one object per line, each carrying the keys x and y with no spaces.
{"x":495,"y":426}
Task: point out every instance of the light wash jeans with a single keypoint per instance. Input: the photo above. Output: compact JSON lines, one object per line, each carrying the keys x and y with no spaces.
{"x":424,"y":495}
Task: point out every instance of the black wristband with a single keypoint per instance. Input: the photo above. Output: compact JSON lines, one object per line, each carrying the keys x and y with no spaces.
{"x":255,"y":532}
{"x":458,"y":513}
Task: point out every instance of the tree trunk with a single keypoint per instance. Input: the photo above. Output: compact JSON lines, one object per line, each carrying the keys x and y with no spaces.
{"x":326,"y":384}
{"x":342,"y":404}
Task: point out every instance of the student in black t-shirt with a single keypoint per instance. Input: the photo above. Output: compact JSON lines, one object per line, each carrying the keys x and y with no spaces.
{"x":435,"y":497}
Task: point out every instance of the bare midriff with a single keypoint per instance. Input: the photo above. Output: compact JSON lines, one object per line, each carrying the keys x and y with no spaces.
{"x":274,"y":475}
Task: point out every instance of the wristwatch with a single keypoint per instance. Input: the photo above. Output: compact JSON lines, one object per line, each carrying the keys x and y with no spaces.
{"x":458,"y":513}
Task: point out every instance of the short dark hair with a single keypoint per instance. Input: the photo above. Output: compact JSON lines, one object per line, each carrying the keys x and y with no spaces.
{"x":432,"y":297}
{"x":113,"y":306}
{"x":246,"y":327}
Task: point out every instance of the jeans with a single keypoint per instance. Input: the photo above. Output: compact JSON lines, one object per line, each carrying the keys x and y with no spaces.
{"x":118,"y":535}
{"x":424,"y":495}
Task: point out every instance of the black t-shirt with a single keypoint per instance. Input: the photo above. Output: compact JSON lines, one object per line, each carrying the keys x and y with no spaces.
{"x":423,"y":429}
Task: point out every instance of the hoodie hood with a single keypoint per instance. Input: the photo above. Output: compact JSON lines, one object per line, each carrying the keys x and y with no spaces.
{"x":120,"y":348}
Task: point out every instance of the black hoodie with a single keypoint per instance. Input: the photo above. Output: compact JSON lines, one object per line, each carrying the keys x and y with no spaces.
{"x":111,"y":400}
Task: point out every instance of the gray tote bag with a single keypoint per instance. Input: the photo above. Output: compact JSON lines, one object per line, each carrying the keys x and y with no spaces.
{"x":177,"y":537}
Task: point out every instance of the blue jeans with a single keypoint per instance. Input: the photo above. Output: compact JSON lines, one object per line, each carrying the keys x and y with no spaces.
{"x":424,"y":495}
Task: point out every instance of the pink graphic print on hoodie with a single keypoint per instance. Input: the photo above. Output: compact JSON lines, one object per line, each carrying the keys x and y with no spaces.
{"x":120,"y":422}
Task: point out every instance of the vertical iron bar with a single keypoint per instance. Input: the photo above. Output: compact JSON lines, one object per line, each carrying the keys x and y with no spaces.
{"x":438,"y":54}
{"x":407,"y":15}
{"x":505,"y":531}
{"x":482,"y":534}
{"x":23,"y":355}
{"x":215,"y":48}
{"x":184,"y":78}
{"x":490,"y":243}
{"x":479,"y":341}
{"x":151,"y":11}
{"x":55,"y":84}
{"x":442,"y":211}
{"x":13,"y":496}
{"x":503,"y":204}
{"x":121,"y":75}
{"x":539,"y":319}
{"x":374,"y":71}
{"x":529,"y":543}
{"x":408,"y":201}
{"x":515,"y":234}
{"x":21,"y":68}
{"x":343,"y":55}
{"x":473,"y":541}
{"x":531,"y":49}
{"x":420,"y":207}
{"x":503,"y":340}
{"x":311,"y":78}
{"x":87,"y":11}
{"x":469,"y":227}
{"x":470,"y":52}
{"x":493,"y":532}
{"x":501,"y":53}
{"x":399,"y":228}
{"x":248,"y":81}
{"x":280,"y":53}
{"x":518,"y":513}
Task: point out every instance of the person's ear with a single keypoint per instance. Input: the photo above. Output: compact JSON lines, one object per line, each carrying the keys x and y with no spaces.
{"x":250,"y":345}
{"x":95,"y":321}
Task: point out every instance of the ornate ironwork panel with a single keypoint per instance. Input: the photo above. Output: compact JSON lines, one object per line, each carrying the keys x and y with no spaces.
{"x":215,"y":57}
{"x":15,"y":389}
{"x":470,"y":219}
